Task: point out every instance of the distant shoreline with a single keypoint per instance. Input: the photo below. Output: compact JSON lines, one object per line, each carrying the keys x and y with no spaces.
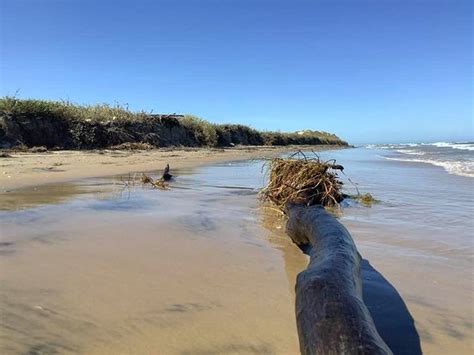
{"x":29,"y":169}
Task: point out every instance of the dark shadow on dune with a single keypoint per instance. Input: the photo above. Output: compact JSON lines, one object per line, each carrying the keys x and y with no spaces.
{"x":389,"y":312}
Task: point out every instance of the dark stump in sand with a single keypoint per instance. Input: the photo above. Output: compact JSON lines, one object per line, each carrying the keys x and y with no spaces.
{"x":330,"y":312}
{"x":166,"y":173}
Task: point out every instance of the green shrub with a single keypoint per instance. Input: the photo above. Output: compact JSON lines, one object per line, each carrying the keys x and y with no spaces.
{"x":204,"y":131}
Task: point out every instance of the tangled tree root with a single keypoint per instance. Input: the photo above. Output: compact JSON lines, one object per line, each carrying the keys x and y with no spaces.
{"x":303,"y":181}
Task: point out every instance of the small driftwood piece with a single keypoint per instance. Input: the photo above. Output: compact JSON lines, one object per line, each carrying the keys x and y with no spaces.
{"x":159,"y":183}
{"x":330,"y":313}
{"x":166,"y":174}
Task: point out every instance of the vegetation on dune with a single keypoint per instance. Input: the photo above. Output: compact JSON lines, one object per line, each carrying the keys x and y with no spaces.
{"x":234,"y":134}
{"x":204,"y":131}
{"x":64,"y":125}
{"x":69,"y":111}
{"x":306,"y":137}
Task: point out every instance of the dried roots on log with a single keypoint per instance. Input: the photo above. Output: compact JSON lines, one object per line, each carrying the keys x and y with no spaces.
{"x":330,"y":312}
{"x":305,"y":181}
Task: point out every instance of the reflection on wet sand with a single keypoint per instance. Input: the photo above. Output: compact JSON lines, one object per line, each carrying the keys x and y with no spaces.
{"x":295,"y":260}
{"x":187,"y":271}
{"x":41,"y":195}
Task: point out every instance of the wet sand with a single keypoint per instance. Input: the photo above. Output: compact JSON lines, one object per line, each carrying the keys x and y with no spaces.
{"x":34,"y":169}
{"x":186,"y":271}
{"x":435,"y":285}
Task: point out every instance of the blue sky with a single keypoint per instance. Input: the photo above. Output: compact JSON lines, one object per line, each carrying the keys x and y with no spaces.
{"x":367,"y":70}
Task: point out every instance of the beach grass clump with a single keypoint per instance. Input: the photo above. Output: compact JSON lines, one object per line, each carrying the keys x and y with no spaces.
{"x":237,"y":134}
{"x":204,"y":131}
{"x":303,"y":181}
{"x":305,"y":137}
{"x":67,"y":110}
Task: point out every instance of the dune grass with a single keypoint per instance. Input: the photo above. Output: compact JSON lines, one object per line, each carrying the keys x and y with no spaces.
{"x":65,"y":125}
{"x":68,"y":111}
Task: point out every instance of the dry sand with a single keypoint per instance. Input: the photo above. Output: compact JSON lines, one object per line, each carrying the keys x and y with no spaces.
{"x":33,"y":169}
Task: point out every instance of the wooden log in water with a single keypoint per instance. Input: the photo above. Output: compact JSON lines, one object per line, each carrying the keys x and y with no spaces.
{"x":330,"y":313}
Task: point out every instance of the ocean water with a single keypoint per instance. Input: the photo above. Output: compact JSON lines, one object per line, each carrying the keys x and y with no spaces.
{"x":455,"y":158}
{"x":420,"y":236}
{"x":203,"y":268}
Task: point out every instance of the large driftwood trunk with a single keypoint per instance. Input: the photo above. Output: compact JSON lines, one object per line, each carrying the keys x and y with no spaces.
{"x":330,"y":313}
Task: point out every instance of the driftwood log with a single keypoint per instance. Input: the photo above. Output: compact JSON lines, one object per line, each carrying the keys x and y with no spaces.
{"x":330,"y":313}
{"x":166,"y":173}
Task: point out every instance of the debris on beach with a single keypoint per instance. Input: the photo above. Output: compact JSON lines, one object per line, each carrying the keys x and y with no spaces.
{"x":366,"y":199}
{"x":132,"y":146}
{"x":303,"y":180}
{"x":308,"y":180}
{"x":160,"y":183}
{"x":156,"y":183}
{"x":145,"y":179}
{"x":166,"y":174}
{"x":40,"y":149}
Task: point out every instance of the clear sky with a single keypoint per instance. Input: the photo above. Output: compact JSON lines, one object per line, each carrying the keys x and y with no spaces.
{"x":367,"y":70}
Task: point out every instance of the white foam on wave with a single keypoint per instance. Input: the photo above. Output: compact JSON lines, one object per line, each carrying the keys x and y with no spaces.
{"x":410,"y":152}
{"x":460,"y":146}
{"x":392,"y":145}
{"x":462,"y":168}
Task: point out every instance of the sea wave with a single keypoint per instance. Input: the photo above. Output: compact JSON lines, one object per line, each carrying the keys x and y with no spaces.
{"x":460,"y":146}
{"x":462,"y":168}
{"x":410,"y":152}
{"x":394,"y":146}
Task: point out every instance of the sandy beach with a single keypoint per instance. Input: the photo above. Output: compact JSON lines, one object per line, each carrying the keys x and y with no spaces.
{"x":94,"y":267}
{"x":34,"y":169}
{"x":236,"y":177}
